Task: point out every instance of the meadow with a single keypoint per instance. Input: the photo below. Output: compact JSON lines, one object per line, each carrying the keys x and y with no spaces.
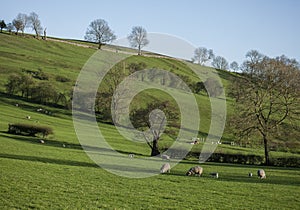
{"x":58,"y":174}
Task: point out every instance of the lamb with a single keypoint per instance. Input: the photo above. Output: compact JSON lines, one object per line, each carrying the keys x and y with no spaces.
{"x":261,"y":174}
{"x":165,"y":157}
{"x":195,"y":170}
{"x":165,"y":168}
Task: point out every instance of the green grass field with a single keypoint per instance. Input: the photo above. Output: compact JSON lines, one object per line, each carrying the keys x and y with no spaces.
{"x":43,"y":176}
{"x":59,"y":175}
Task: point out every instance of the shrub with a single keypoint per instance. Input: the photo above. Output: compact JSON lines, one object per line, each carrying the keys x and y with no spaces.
{"x":60,"y":78}
{"x":27,"y":129}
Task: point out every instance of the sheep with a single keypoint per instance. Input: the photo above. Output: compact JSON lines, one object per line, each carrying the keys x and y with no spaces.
{"x":28,"y":117}
{"x":195,"y":170}
{"x":215,"y":174}
{"x":261,"y":174}
{"x":42,"y":141}
{"x":250,"y":174}
{"x":165,"y":157}
{"x":165,"y":168}
{"x":131,"y":155}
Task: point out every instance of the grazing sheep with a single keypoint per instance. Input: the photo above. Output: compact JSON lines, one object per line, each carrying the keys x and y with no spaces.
{"x":250,"y":174}
{"x":195,"y":170}
{"x":28,"y":117}
{"x":42,"y":141}
{"x":261,"y":174}
{"x":215,"y":175}
{"x":165,"y":157}
{"x":131,"y":155}
{"x":165,"y":168}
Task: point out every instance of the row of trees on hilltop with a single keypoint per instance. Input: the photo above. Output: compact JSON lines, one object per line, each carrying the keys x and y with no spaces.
{"x":202,"y":55}
{"x":23,"y":21}
{"x":99,"y":32}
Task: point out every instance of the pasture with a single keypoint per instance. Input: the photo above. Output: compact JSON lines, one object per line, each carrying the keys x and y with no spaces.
{"x":50,"y":175}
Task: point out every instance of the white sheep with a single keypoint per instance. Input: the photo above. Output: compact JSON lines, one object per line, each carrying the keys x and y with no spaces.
{"x":195,"y":170}
{"x":28,"y":117}
{"x":261,"y":174}
{"x":42,"y":141}
{"x":165,"y":157}
{"x":165,"y":168}
{"x":131,"y":155}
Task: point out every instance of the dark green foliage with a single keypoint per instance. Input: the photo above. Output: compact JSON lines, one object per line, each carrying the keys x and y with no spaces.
{"x":133,"y":67}
{"x":60,"y":78}
{"x":2,"y":25}
{"x":198,"y":87}
{"x":37,"y":74}
{"x":28,"y":129}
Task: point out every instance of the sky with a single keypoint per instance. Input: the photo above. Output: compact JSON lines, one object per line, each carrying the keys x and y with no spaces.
{"x":230,"y":27}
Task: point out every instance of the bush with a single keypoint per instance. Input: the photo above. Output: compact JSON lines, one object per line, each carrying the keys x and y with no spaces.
{"x":60,"y":78}
{"x":247,"y":159}
{"x":27,"y":129}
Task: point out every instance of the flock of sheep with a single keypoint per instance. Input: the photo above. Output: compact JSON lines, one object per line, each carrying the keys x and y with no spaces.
{"x":197,"y":170}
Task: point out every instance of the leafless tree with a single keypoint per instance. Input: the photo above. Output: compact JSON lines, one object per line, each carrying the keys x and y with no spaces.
{"x":267,"y":95}
{"x":234,"y":66}
{"x":138,"y":38}
{"x":99,"y":32}
{"x":21,"y":22}
{"x":202,"y":55}
{"x":220,"y":62}
{"x":35,"y":24}
{"x":18,"y":25}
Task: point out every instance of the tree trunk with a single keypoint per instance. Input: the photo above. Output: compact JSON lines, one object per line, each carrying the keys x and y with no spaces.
{"x":267,"y":159}
{"x":155,"y":151}
{"x":100,"y":45}
{"x":139,"y":50}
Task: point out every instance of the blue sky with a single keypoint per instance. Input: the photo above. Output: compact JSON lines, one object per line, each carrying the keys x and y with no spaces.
{"x":229,"y":27}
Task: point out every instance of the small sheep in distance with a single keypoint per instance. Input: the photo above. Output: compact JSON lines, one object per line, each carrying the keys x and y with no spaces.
{"x":165,"y":168}
{"x":261,"y":174}
{"x":165,"y":157}
{"x":215,"y":175}
{"x":195,"y":170}
{"x":131,"y":155}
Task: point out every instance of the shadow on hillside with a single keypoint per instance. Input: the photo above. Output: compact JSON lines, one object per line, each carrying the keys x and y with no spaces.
{"x":115,"y":167}
{"x":61,"y":144}
{"x":48,"y":160}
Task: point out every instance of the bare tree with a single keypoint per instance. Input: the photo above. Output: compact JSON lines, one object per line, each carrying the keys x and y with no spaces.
{"x":18,"y":25}
{"x":154,"y":119}
{"x":267,"y":95}
{"x":10,"y":27}
{"x":99,"y":32}
{"x":20,"y":22}
{"x":35,"y":24}
{"x":202,"y":55}
{"x":220,"y":62}
{"x":234,"y":66}
{"x":138,"y":38}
